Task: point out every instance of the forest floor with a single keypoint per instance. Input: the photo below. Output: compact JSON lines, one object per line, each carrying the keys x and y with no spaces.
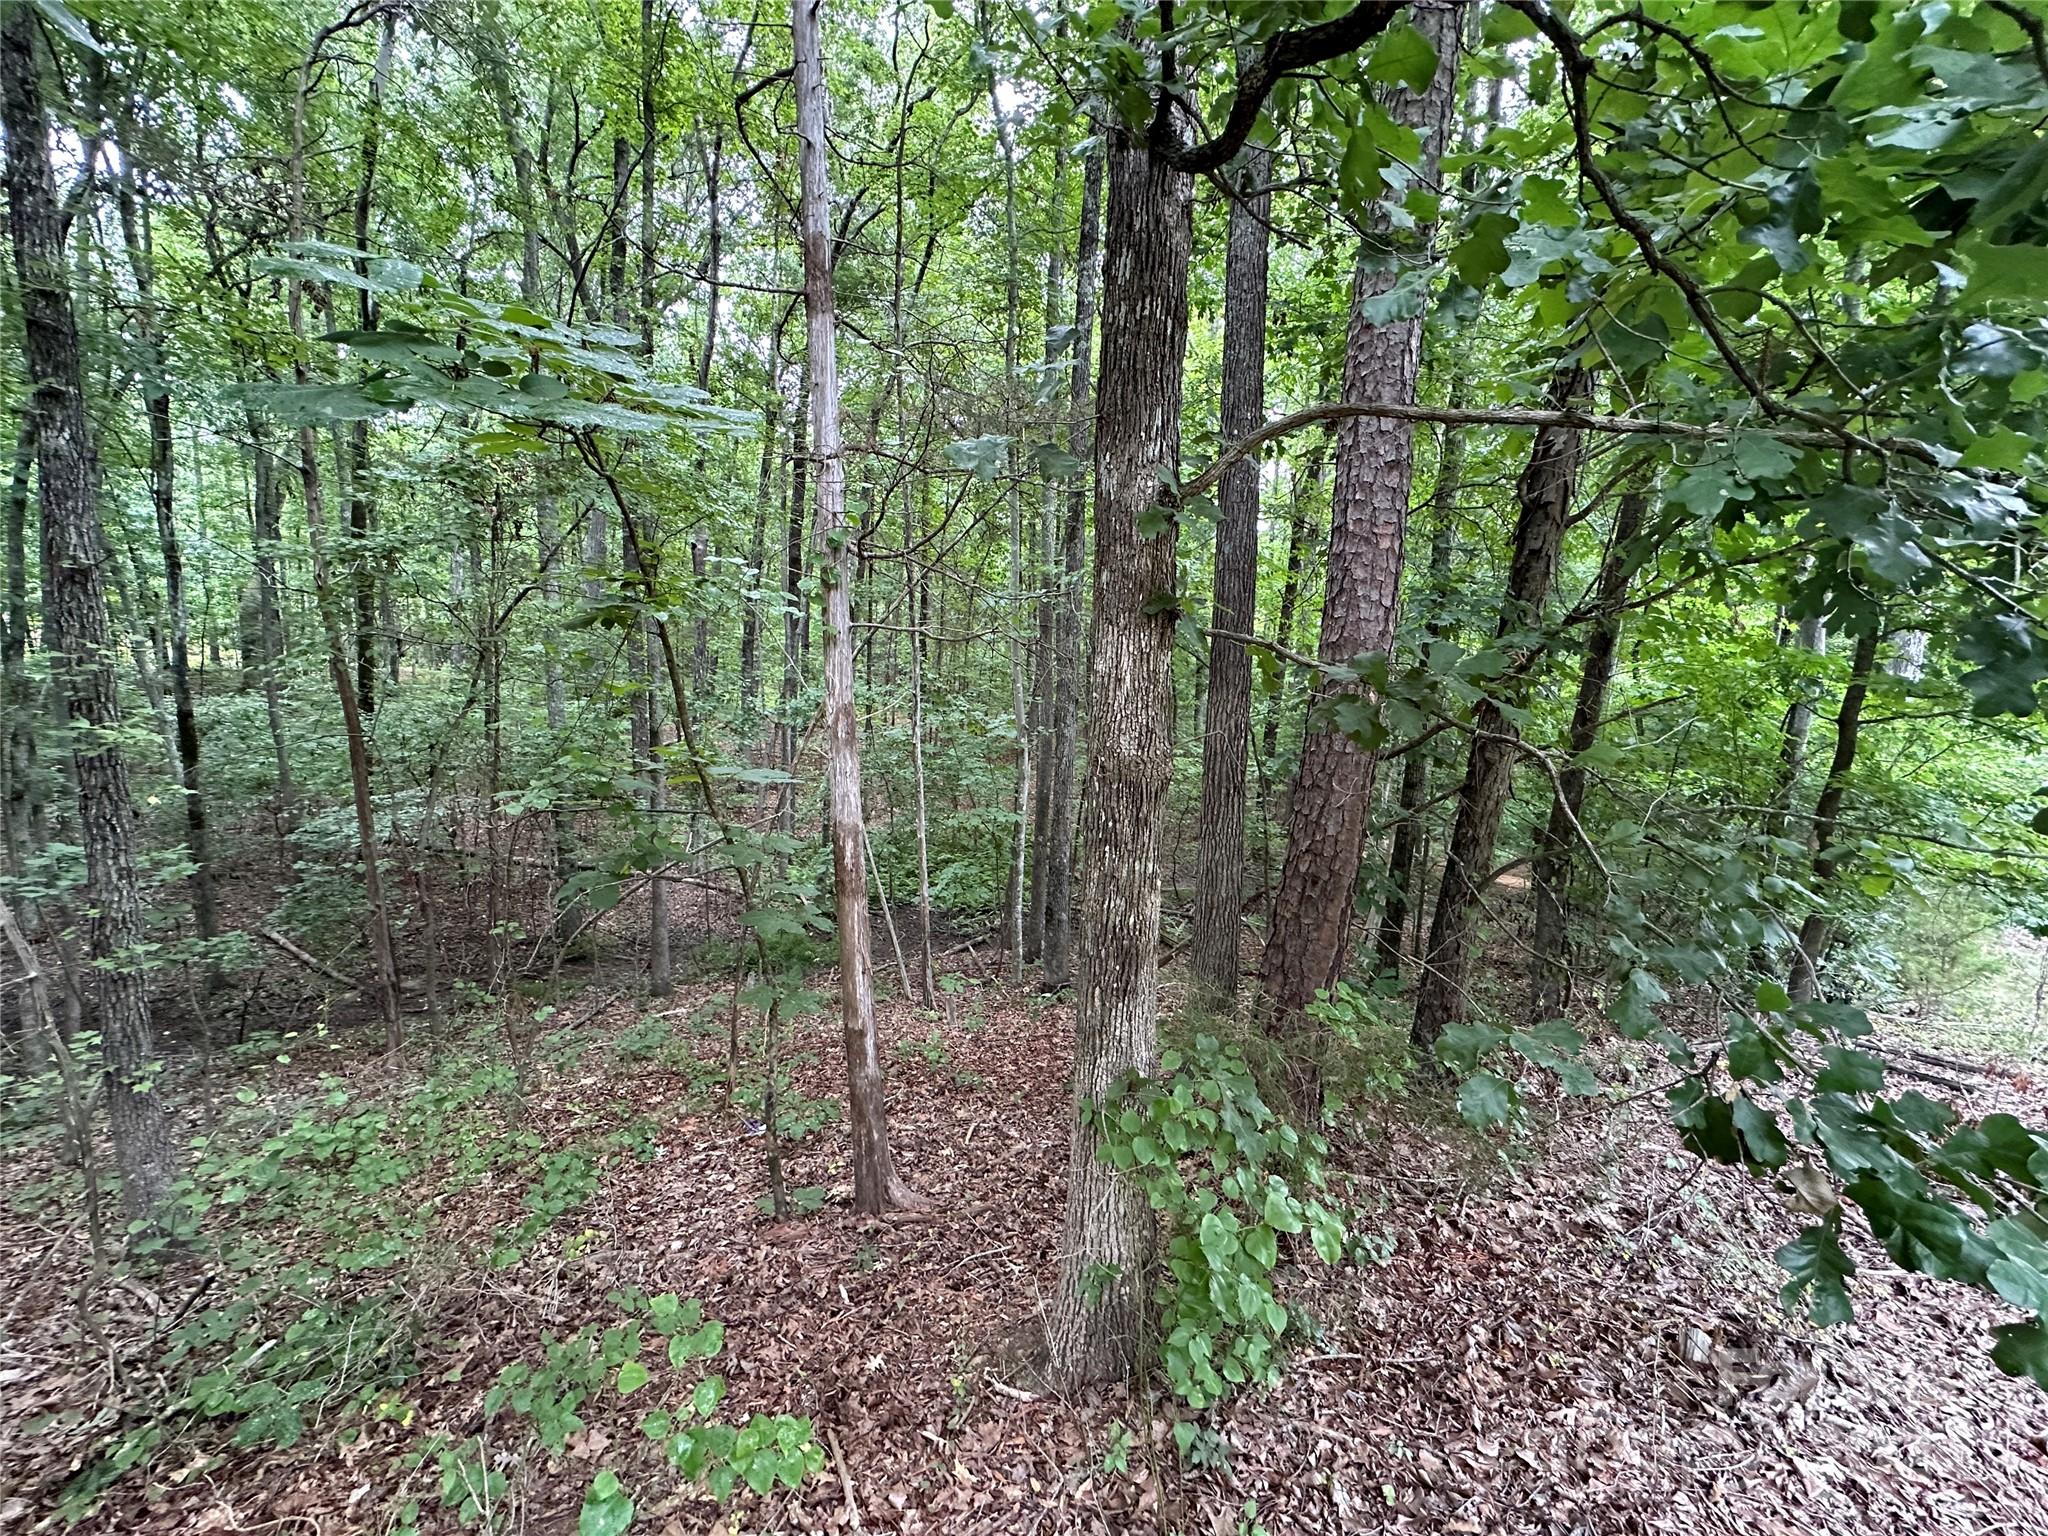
{"x":1576,"y":1329}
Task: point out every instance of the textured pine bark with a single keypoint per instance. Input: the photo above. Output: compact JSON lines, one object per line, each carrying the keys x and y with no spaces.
{"x":1368,"y":525}
{"x":1550,"y":943}
{"x":1545,"y":493}
{"x":75,"y":615}
{"x":1058,"y":949}
{"x":1226,"y":740}
{"x":1401,"y":859}
{"x":1096,"y":1322}
{"x":875,"y":1186}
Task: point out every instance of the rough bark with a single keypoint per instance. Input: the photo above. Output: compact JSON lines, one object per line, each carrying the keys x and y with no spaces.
{"x":1399,"y":899}
{"x":1058,"y":949}
{"x":1545,"y":492}
{"x":1556,"y":848}
{"x":1374,"y":462}
{"x":875,"y":1185}
{"x":1817,"y":932}
{"x":17,"y":697}
{"x":1226,"y":738}
{"x":75,"y":613}
{"x":1104,"y":1287}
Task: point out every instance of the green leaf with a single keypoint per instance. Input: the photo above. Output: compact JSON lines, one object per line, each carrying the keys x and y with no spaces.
{"x":1760,"y":1133}
{"x":1926,"y":1236}
{"x":1262,"y":1246}
{"x":607,"y":1509}
{"x":709,"y":1394}
{"x":1850,"y":1071}
{"x":632,"y":1377}
{"x":1485,"y":1099}
{"x":2021,"y":1349}
{"x":1461,"y":1046}
{"x":1819,"y":1267}
{"x":1402,"y":56}
{"x":65,"y":20}
{"x":983,"y":457}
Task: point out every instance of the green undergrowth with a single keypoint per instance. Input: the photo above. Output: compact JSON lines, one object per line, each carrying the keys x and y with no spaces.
{"x":331,"y":1247}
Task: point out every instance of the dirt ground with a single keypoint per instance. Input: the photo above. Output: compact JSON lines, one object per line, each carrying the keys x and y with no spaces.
{"x":1576,"y":1330}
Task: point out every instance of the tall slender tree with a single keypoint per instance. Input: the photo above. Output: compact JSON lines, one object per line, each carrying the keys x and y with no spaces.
{"x":1226,"y":741}
{"x":875,"y":1182}
{"x":1544,"y":491}
{"x":75,"y":614}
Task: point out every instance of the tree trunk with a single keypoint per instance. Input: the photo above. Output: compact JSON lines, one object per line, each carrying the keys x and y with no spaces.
{"x":1545,"y":493}
{"x":135,"y":230}
{"x":17,"y":697}
{"x":1300,"y":534}
{"x":75,"y":610}
{"x":794,"y":618}
{"x":1044,"y":662}
{"x":1816,"y":934}
{"x":757,"y":551}
{"x":1105,"y":1285}
{"x":362,"y":505}
{"x":875,"y":1185}
{"x":1399,"y":899}
{"x":1226,"y":739}
{"x":382,"y":956}
{"x":1067,"y":703}
{"x":1368,"y":523}
{"x":266,"y":512}
{"x":1556,"y":849}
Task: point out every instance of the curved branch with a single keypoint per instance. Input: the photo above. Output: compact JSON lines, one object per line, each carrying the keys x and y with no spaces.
{"x":1283,"y":54}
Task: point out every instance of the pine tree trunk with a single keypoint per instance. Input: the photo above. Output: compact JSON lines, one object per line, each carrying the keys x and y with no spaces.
{"x":17,"y":697}
{"x":1067,"y":703}
{"x":75,"y":613}
{"x":1368,"y":524}
{"x":1105,"y":1285}
{"x":1556,"y":849}
{"x":1226,"y":737}
{"x":1545,"y":493}
{"x":875,"y":1185}
{"x":1402,"y":858}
